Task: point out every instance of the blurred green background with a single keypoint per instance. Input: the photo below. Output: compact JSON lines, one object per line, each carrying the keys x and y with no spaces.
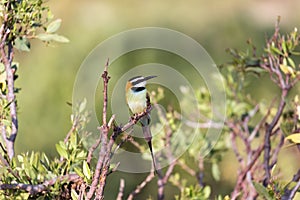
{"x":47,"y":73}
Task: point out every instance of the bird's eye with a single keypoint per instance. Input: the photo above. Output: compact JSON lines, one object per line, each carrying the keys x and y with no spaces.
{"x":138,"y":89}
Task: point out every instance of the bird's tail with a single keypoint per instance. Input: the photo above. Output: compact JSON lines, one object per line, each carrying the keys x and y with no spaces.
{"x":148,"y":138}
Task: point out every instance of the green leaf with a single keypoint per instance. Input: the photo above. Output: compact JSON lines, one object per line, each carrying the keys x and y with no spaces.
{"x":73,"y":140}
{"x":276,"y":50}
{"x":81,"y":155}
{"x":284,"y":48}
{"x":60,"y":38}
{"x":291,"y":62}
{"x":262,"y":191}
{"x":295,"y":138}
{"x":53,"y":26}
{"x":78,"y":172}
{"x":287,"y":70}
{"x":216,"y":171}
{"x":206,"y":192}
{"x":24,"y":195}
{"x":20,"y":158}
{"x":47,"y":37}
{"x":61,"y":151}
{"x":46,"y":159}
{"x":74,"y":195}
{"x":86,"y":170}
{"x":22,"y":44}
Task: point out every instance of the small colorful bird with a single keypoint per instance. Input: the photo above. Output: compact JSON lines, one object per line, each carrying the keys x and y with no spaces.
{"x":137,"y":100}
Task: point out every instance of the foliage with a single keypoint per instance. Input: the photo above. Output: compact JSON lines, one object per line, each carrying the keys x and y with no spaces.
{"x":20,"y":22}
{"x":24,"y":18}
{"x":36,"y":171}
{"x":257,"y":122}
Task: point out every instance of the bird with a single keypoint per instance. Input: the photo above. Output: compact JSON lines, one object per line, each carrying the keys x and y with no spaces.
{"x":137,"y":99}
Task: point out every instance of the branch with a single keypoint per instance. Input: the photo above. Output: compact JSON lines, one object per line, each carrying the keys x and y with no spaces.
{"x":244,"y":172}
{"x":103,"y":140}
{"x":105,"y":78}
{"x":163,"y":180}
{"x":72,"y":130}
{"x":102,"y":167}
{"x":92,"y":149}
{"x":121,"y":190}
{"x":35,"y":189}
{"x":269,"y":130}
{"x":141,"y":186}
{"x":186,"y":168}
{"x":6,"y":59}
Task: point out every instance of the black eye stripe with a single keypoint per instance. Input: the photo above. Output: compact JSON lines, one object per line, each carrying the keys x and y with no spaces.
{"x":138,"y":89}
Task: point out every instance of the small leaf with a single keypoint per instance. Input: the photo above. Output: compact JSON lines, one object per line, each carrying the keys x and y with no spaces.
{"x":276,"y":50}
{"x":215,"y":171}
{"x":46,"y":159}
{"x":22,"y":44}
{"x":206,"y":192}
{"x":20,"y":158}
{"x":291,"y":62}
{"x":294,"y":138}
{"x":81,"y":155}
{"x":61,"y":151}
{"x":78,"y":172}
{"x":74,"y":195}
{"x":262,"y":191}
{"x":284,"y":48}
{"x":47,"y":37}
{"x":24,"y":195}
{"x":86,"y":170}
{"x":287,"y":70}
{"x":60,"y":38}
{"x":53,"y":26}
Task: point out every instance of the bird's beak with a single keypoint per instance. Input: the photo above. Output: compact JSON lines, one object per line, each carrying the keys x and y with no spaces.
{"x":149,"y":77}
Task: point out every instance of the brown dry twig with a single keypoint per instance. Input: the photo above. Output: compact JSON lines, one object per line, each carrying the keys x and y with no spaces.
{"x":35,"y":189}
{"x":141,"y":185}
{"x":106,"y":143}
{"x":7,"y":55}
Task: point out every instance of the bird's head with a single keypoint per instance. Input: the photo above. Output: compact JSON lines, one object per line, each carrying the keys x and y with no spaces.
{"x":138,"y":82}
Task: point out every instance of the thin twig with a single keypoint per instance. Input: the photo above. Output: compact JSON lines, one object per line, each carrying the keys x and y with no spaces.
{"x":121,"y":190}
{"x":163,"y":180}
{"x":277,"y":149}
{"x":92,"y":149}
{"x":6,"y":59}
{"x":141,"y":185}
{"x":269,"y":130}
{"x":105,"y":78}
{"x":186,"y":168}
{"x":72,"y":130}
{"x":242,"y":175}
{"x":100,"y":168}
{"x":35,"y":189}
